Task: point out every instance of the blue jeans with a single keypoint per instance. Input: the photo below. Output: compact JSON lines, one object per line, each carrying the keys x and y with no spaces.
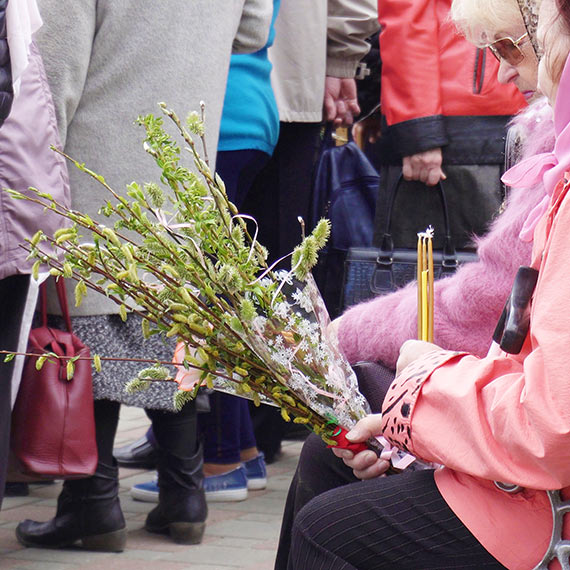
{"x":227,"y":429}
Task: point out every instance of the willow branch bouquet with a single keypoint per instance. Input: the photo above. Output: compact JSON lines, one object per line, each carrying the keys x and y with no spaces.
{"x":182,"y":257}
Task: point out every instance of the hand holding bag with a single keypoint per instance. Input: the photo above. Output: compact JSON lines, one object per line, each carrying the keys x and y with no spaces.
{"x":53,"y":426}
{"x":370,"y":272}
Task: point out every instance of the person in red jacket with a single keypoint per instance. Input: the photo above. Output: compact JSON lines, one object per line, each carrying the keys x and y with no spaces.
{"x":443,"y":118}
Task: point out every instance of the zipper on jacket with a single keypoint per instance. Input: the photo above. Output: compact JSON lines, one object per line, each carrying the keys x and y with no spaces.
{"x":479,"y":69}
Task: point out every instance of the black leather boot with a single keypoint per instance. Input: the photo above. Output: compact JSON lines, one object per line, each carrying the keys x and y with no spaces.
{"x":182,"y":509}
{"x":87,"y":510}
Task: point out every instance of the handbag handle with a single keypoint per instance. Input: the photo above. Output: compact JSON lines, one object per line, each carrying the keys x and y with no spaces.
{"x":449,"y":255}
{"x":62,"y":298}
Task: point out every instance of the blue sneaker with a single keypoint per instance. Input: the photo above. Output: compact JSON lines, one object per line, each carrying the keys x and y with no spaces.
{"x":256,"y":472}
{"x":146,"y":492}
{"x":230,"y":486}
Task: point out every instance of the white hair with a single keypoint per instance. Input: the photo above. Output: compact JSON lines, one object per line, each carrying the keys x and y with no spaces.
{"x":479,"y":20}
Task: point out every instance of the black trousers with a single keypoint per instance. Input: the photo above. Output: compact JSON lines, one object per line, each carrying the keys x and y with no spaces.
{"x":323,"y":483}
{"x":318,"y":471}
{"x":13,"y":292}
{"x":175,"y":433}
{"x":281,"y":193}
{"x":398,"y":522}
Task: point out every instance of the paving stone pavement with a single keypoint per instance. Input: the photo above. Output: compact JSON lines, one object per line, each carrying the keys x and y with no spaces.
{"x":238,"y":535}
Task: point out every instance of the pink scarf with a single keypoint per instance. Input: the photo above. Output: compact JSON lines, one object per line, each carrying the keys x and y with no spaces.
{"x":548,"y":167}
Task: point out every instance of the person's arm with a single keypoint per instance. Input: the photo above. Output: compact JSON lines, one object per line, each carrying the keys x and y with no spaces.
{"x":66,"y":52}
{"x":504,"y":417}
{"x":349,"y":24}
{"x":253,"y":29}
{"x":467,"y":304}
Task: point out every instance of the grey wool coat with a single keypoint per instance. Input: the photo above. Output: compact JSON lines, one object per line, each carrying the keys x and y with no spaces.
{"x":109,"y":61}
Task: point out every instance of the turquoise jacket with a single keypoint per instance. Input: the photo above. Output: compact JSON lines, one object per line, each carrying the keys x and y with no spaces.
{"x":250,"y":119}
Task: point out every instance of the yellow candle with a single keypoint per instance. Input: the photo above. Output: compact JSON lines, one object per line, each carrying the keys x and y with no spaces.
{"x":419,"y":282}
{"x":425,"y":298}
{"x":424,"y":279}
{"x":431,"y":298}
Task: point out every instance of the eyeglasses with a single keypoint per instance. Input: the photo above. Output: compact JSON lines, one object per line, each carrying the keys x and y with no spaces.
{"x":508,"y":49}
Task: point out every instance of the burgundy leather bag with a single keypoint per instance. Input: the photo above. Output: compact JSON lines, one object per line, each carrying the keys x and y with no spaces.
{"x":53,"y":427}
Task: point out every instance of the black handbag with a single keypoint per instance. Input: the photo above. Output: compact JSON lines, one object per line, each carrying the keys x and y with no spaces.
{"x":370,"y":272}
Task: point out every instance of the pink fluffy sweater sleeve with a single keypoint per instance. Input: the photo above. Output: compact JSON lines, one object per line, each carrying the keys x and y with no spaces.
{"x":467,"y":304}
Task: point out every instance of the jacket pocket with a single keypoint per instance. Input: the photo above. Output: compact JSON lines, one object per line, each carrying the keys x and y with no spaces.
{"x":479,"y":70}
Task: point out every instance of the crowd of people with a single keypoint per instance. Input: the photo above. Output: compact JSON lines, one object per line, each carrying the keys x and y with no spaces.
{"x":473,"y":95}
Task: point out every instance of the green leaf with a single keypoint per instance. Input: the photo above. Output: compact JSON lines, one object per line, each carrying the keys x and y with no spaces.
{"x":80,"y":292}
{"x":145,"y":326}
{"x":40,"y":361}
{"x":15,"y":194}
{"x":36,"y":269}
{"x":181,"y":398}
{"x":36,"y":238}
{"x":70,"y":369}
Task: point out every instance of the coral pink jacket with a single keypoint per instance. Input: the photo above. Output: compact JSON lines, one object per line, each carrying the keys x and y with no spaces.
{"x":507,"y":419}
{"x":504,"y":417}
{"x":429,"y":72}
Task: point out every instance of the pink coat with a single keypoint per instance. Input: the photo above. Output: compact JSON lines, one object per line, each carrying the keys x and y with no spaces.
{"x":26,"y":159}
{"x":467,"y":304}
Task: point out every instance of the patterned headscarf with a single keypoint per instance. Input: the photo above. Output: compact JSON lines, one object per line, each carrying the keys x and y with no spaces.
{"x":529,"y":12}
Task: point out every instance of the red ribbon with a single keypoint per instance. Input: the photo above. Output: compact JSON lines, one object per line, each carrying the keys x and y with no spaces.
{"x":343,"y":443}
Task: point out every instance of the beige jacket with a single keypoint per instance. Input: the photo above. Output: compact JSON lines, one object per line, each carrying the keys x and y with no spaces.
{"x":315,"y":38}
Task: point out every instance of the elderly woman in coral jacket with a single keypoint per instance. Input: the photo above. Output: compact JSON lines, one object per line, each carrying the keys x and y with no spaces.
{"x":506,"y":420}
{"x":469,"y":303}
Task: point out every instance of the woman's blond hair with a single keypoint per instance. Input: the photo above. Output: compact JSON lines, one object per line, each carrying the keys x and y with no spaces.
{"x":477,"y":20}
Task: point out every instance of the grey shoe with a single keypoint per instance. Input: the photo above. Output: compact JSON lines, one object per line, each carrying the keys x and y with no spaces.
{"x":139,"y":454}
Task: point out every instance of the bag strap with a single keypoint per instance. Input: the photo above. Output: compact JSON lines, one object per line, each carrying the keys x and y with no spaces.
{"x":62,"y":298}
{"x":449,"y":255}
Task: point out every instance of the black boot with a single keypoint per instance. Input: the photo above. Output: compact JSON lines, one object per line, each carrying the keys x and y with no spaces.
{"x":87,"y":510}
{"x":182,"y":509}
